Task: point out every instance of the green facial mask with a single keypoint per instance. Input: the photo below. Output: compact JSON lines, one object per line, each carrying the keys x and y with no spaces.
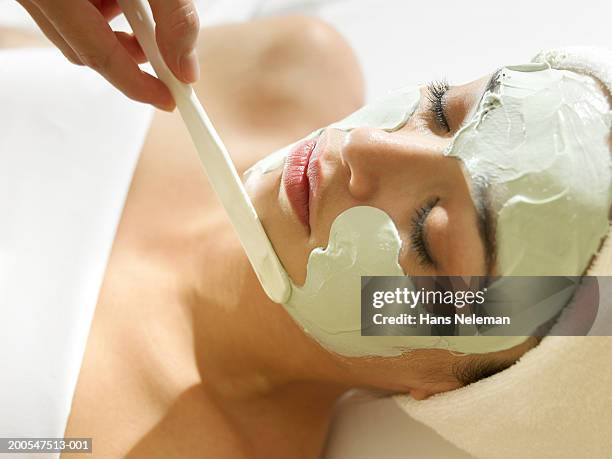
{"x":364,"y":240}
{"x":540,"y":145}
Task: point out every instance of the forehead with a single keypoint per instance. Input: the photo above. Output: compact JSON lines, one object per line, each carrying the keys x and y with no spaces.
{"x":539,"y":141}
{"x":532,"y":110}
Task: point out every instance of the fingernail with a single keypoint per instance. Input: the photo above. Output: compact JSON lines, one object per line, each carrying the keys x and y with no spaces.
{"x":167,"y":106}
{"x":190,"y":67}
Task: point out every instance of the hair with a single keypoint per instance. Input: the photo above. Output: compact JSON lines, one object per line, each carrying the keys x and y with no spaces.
{"x":474,"y":370}
{"x":484,"y":366}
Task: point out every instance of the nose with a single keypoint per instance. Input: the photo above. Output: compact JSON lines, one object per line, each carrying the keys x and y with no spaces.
{"x":373,"y":156}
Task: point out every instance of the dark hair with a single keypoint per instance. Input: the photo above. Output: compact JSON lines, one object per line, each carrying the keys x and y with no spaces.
{"x":476,"y":369}
{"x":481,"y":367}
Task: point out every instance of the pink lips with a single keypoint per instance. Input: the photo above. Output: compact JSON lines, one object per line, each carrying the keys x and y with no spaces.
{"x":297,"y":176}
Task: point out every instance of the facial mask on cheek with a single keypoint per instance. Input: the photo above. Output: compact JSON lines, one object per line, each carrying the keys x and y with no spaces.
{"x":541,"y":145}
{"x":363,"y":241}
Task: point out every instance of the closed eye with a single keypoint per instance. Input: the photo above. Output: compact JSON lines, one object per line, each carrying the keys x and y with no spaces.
{"x":418,"y":239}
{"x":436,"y":90}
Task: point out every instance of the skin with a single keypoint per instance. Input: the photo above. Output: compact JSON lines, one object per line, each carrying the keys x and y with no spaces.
{"x":186,"y":356}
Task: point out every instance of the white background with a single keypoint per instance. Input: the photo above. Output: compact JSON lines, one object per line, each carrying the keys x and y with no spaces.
{"x":402,"y":42}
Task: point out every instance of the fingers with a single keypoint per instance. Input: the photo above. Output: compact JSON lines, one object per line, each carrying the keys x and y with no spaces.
{"x":131,"y":45}
{"x":86,"y":31}
{"x":177,"y":28}
{"x":108,"y":8}
{"x":47,"y":28}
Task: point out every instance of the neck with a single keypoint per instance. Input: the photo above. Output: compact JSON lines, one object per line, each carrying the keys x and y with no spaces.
{"x":246,"y":345}
{"x":262,"y":369}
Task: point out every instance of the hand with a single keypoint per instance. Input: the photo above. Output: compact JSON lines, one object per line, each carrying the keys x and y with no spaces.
{"x":80,"y":29}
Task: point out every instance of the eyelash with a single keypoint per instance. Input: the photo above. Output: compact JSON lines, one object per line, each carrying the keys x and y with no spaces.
{"x":436,"y":90}
{"x":417,"y":239}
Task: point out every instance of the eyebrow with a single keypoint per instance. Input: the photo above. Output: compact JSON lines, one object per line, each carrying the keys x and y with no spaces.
{"x":481,"y":195}
{"x":492,"y":85}
{"x":485,"y":219}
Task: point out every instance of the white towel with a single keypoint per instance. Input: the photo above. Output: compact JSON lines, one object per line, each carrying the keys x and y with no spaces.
{"x":69,"y":143}
{"x":557,"y":400}
{"x":592,"y":61}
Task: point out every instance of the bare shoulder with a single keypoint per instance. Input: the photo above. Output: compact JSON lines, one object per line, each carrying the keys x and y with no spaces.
{"x":286,"y":72}
{"x":21,"y":38}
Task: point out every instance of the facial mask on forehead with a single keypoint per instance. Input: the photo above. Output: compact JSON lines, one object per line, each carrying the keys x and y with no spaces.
{"x":540,"y":143}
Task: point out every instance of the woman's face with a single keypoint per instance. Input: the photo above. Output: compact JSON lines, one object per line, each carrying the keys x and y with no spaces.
{"x":404,"y":173}
{"x":428,"y":195}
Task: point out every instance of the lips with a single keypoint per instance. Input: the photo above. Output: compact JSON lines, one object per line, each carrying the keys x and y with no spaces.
{"x":297,"y":177}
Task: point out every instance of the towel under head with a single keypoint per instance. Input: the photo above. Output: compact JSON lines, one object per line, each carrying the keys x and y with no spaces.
{"x":556,"y":400}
